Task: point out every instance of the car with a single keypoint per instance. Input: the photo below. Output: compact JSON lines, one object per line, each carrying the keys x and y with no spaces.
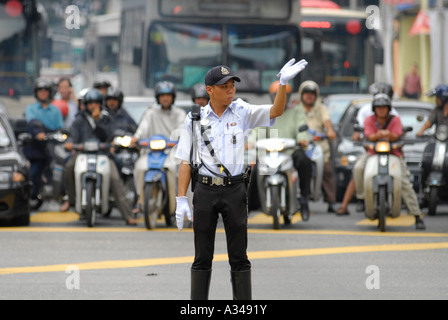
{"x":15,"y":183}
{"x":137,"y":105}
{"x":338,"y":103}
{"x":412,"y":113}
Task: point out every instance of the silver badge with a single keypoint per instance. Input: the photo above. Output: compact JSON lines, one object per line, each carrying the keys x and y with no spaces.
{"x":205,"y":121}
{"x":224,"y":71}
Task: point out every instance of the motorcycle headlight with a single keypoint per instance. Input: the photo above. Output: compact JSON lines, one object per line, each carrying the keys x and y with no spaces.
{"x":442,"y":133}
{"x":123,"y":141}
{"x":157,"y":144}
{"x":275,"y":146}
{"x":382,"y":147}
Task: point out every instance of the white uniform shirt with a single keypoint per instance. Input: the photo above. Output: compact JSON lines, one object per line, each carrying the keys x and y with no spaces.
{"x":227,"y":135}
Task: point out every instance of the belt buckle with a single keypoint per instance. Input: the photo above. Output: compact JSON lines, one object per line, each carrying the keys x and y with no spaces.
{"x":217,"y":181}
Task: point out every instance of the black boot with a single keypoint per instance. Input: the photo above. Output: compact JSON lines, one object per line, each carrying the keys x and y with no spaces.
{"x":241,"y":285}
{"x":419,"y":224}
{"x":304,"y":210}
{"x":200,"y":284}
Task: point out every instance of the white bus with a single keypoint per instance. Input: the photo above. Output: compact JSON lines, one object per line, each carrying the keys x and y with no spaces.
{"x":179,"y":40}
{"x":102,"y":49}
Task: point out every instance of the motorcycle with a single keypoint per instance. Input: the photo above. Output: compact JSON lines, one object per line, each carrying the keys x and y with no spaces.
{"x":277,"y":180}
{"x":382,"y":181}
{"x":316,"y":155}
{"x":126,"y":156}
{"x":435,"y":187}
{"x":92,"y":180}
{"x":53,"y":174}
{"x":159,"y":182}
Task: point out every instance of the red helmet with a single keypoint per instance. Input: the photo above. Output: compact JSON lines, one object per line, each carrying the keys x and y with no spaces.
{"x":62,"y":106}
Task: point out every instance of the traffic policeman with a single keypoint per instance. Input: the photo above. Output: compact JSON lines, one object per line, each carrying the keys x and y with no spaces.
{"x":216,"y":143}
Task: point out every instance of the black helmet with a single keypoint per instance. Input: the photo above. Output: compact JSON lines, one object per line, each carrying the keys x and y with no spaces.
{"x":115,"y":93}
{"x":199,"y":91}
{"x":93,"y":95}
{"x":101,"y":83}
{"x":42,"y":83}
{"x":165,"y":87}
{"x":382,"y":87}
{"x":381,"y":99}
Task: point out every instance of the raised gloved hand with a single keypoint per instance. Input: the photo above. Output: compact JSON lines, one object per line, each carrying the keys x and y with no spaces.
{"x":182,"y":209}
{"x":290,"y":70}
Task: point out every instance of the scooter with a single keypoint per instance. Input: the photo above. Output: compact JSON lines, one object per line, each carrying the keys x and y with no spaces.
{"x":382,"y":181}
{"x":159,"y":187}
{"x":52,"y":189}
{"x":92,"y":180}
{"x":316,"y":155}
{"x":126,"y":157}
{"x":277,"y":180}
{"x":435,"y":187}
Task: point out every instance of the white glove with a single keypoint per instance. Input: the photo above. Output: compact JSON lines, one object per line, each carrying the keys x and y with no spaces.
{"x":182,"y":209}
{"x":290,"y":70}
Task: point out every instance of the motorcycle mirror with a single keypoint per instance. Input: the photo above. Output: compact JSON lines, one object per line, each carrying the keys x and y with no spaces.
{"x":24,"y":138}
{"x":303,"y":128}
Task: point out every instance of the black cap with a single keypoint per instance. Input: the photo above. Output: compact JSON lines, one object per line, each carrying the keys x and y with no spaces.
{"x":219,"y":75}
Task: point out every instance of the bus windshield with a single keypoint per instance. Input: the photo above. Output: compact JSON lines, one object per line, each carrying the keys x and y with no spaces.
{"x":338,"y":53}
{"x":183,"y":52}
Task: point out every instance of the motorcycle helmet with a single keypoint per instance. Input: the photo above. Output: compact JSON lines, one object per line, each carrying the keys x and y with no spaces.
{"x":93,"y":95}
{"x":274,"y":88}
{"x":42,"y":83}
{"x":381,"y":99}
{"x":382,"y":87}
{"x":115,"y":93}
{"x":165,"y":87}
{"x":101,"y":83}
{"x":62,"y":106}
{"x":309,"y":86}
{"x":199,"y":91}
{"x":441,"y":92}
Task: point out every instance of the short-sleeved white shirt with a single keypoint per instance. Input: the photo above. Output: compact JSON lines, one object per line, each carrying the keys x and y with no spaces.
{"x":227,"y":135}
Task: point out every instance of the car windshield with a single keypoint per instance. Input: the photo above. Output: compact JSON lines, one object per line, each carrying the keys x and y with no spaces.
{"x":4,"y":138}
{"x":415,"y":118}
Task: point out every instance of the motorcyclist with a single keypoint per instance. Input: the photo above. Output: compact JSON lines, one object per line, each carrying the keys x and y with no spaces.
{"x":94,"y":123}
{"x":363,"y":113}
{"x":384,"y":126}
{"x":114,"y":102}
{"x":439,"y":116}
{"x":287,"y":126}
{"x":199,"y":94}
{"x":41,"y":117}
{"x":102,"y":85}
{"x":162,"y":119}
{"x":318,"y":119}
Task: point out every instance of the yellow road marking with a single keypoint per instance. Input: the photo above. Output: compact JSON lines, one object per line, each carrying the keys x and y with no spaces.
{"x":401,"y":221}
{"x":118,"y":264}
{"x":421,"y":234}
{"x":54,"y":217}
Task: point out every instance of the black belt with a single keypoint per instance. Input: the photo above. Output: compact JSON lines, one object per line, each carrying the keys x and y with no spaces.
{"x":220,"y":181}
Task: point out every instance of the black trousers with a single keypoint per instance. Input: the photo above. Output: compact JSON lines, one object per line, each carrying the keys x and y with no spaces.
{"x":304,"y":168}
{"x":208,"y":203}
